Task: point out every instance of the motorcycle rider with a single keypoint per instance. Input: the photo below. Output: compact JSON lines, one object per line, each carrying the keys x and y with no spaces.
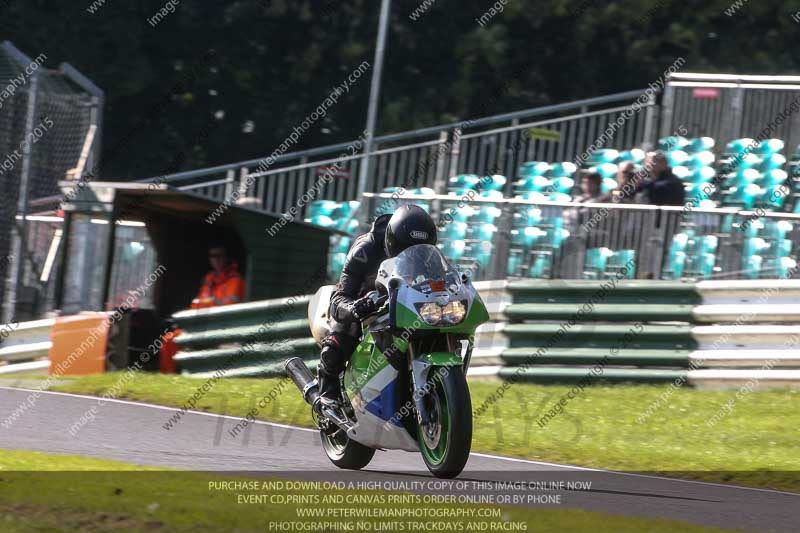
{"x":388,"y":236}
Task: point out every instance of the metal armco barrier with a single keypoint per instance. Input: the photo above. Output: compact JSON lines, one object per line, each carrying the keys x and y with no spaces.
{"x":244,"y":340}
{"x":27,"y":347}
{"x":255,"y":339}
{"x":712,"y":333}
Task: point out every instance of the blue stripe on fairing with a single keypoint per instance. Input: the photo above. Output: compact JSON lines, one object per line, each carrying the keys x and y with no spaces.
{"x":384,"y":405}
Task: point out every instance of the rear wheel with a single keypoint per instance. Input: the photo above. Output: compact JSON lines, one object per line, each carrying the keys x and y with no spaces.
{"x":446,"y":440}
{"x":345,"y":452}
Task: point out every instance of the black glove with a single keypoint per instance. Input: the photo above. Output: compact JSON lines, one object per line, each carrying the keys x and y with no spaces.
{"x":362,"y":308}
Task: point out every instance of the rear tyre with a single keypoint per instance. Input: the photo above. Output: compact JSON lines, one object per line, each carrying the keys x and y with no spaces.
{"x":345,"y":452}
{"x":446,"y":440}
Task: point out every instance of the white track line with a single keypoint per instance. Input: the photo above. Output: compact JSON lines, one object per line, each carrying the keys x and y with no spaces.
{"x":484,"y":455}
{"x":154,"y":406}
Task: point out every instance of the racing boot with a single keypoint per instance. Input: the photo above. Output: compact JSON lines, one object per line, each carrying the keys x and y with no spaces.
{"x":330,"y":390}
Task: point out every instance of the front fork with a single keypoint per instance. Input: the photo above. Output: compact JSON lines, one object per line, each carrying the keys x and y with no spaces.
{"x":420,"y":366}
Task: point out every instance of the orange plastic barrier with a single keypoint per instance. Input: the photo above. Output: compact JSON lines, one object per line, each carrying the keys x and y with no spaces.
{"x":79,"y":344}
{"x":168,"y":350}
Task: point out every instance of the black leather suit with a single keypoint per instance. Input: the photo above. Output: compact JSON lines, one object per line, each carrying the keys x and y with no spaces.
{"x":357,"y":279}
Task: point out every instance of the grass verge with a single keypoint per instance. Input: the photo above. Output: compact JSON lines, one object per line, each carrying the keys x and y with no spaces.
{"x":95,"y":495}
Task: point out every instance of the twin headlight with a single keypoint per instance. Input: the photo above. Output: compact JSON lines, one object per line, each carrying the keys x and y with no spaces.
{"x":451,"y":313}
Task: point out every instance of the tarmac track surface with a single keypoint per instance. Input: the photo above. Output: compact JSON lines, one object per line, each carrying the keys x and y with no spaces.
{"x":134,"y":433}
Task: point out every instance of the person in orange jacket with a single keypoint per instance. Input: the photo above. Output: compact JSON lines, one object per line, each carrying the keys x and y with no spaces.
{"x":224,"y":285}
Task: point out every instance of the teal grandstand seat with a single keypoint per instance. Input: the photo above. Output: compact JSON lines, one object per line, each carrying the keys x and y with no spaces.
{"x":779,"y":248}
{"x":771,"y":162}
{"x":751,"y":265}
{"x":462,"y":182}
{"x":619,"y":260}
{"x":636,"y":156}
{"x":701,"y":175}
{"x":773,"y":229}
{"x":533,"y":168}
{"x":775,"y":176}
{"x":770,"y":146}
{"x":525,"y":217}
{"x":453,"y":231}
{"x":344,"y":209}
{"x":743,"y":176}
{"x":348,"y":226}
{"x":531,"y":183}
{"x":700,"y":160}
{"x":604,"y":155}
{"x":481,"y":232}
{"x":322,"y":220}
{"x":453,"y":250}
{"x":679,"y":242}
{"x":564,"y":169}
{"x":475,"y":258}
{"x":485,"y":214}
{"x":563,"y":185}
{"x":321,"y":207}
{"x":527,"y":237}
{"x":343,"y":246}
{"x":668,"y":144}
{"x":779,"y":268}
{"x":742,"y":196}
{"x":737,"y":146}
{"x":496,"y":183}
{"x":551,"y":222}
{"x":700,"y":266}
{"x":496,"y":195}
{"x":452,"y":213}
{"x":515,"y":260}
{"x":540,"y":266}
{"x":553,"y":238}
{"x":534,"y":196}
{"x":773,"y":197}
{"x":700,"y":245}
{"x":754,"y":246}
{"x":699,"y":144}
{"x":607,"y":170}
{"x":674,"y":266}
{"x":336,"y":264}
{"x":682,"y":172}
{"x":594,"y":264}
{"x":677,"y":157}
{"x":559,"y":197}
{"x":608,"y":184}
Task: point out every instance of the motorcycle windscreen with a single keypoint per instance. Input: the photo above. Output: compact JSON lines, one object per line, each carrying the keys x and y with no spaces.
{"x":427,"y":277}
{"x":425,"y":269}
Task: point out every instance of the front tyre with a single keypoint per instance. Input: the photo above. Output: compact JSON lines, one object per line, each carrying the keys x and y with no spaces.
{"x":446,"y":440}
{"x":345,"y":452}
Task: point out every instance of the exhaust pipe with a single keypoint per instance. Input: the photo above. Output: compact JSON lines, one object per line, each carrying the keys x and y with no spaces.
{"x":303,"y":379}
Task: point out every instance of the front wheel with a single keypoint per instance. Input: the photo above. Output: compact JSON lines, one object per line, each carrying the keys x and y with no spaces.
{"x":345,"y":452}
{"x":446,"y":440}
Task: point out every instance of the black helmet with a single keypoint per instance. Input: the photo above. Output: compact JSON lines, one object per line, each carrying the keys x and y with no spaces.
{"x":409,"y":225}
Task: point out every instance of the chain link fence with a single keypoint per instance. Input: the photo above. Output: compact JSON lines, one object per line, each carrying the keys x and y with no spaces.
{"x":45,"y":119}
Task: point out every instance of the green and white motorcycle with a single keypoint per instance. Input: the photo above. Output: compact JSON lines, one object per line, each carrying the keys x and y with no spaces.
{"x":404,"y":387}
